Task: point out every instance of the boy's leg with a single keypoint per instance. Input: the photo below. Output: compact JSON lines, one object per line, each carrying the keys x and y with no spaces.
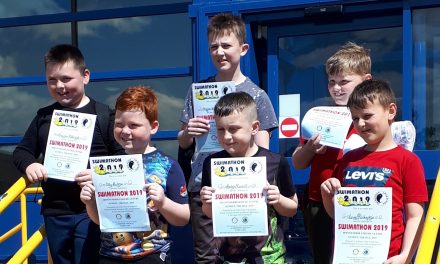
{"x":86,"y":240}
{"x":319,"y":228}
{"x":204,"y":249}
{"x":59,"y":237}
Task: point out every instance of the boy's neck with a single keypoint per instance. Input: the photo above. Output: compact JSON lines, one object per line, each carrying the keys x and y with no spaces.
{"x":250,"y":152}
{"x":236,"y":77}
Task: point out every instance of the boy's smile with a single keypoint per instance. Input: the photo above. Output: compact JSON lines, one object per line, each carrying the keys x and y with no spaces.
{"x":133,"y":131}
{"x":342,"y":85}
{"x":236,"y":133}
{"x":66,"y":84}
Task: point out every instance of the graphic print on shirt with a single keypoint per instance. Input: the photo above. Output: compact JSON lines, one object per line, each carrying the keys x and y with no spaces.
{"x":365,"y":176}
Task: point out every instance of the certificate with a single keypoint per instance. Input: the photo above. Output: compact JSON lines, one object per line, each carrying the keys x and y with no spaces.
{"x":331,"y":122}
{"x":239,"y":204}
{"x":362,"y":225}
{"x":120,"y":193}
{"x":205,"y":96}
{"x":68,"y":144}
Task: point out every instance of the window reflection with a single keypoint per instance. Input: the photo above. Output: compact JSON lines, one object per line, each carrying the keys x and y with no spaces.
{"x":426,"y":83}
{"x":170,"y":92}
{"x":16,"y":8}
{"x":22,"y":49}
{"x":9,"y":173}
{"x":169,"y":147}
{"x":84,"y":5}
{"x":137,"y":42}
{"x":302,"y":66}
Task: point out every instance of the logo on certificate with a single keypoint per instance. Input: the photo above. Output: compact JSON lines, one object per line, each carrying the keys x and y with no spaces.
{"x":132,"y":164}
{"x":86,"y":122}
{"x":256,"y":167}
{"x":381,"y":198}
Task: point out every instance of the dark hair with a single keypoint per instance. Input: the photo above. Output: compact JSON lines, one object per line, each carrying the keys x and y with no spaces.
{"x":138,"y":98}
{"x":63,"y":53}
{"x":238,"y":101}
{"x":224,"y":22}
{"x":370,"y":90}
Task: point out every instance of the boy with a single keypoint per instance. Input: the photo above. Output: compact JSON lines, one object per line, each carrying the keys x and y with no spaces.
{"x":236,"y":118}
{"x":135,"y":123}
{"x":345,"y":69}
{"x":226,"y":35}
{"x":373,"y":108}
{"x":71,"y":236}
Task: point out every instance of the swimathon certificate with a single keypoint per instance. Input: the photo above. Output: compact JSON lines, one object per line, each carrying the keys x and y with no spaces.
{"x":68,"y":144}
{"x":205,"y":96}
{"x":239,"y":204}
{"x":120,"y":193}
{"x":331,"y":122}
{"x":362,"y":225}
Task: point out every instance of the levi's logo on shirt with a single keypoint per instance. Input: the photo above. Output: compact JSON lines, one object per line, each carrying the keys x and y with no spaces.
{"x":366,"y":176}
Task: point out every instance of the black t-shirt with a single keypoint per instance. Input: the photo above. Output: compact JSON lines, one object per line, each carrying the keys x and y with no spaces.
{"x":62,"y":197}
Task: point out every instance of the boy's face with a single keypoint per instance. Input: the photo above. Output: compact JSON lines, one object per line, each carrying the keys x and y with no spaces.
{"x":226,"y":52}
{"x":236,"y":132}
{"x":373,"y":122}
{"x":342,"y":85}
{"x":133,"y":131}
{"x":66,"y":83}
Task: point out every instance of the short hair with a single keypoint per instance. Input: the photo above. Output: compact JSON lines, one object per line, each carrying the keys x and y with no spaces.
{"x":138,"y":98}
{"x":237,"y":101}
{"x":63,"y":53}
{"x":370,"y":90}
{"x":226,"y":23}
{"x":350,"y":58}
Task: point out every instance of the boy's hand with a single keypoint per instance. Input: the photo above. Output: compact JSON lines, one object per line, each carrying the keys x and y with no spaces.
{"x":330,"y":186}
{"x":398,"y":259}
{"x":314,"y":146}
{"x":36,"y":172}
{"x":273,"y":194}
{"x":206,"y":194}
{"x":87,"y":193}
{"x":156,"y":193}
{"x":197,"y":126}
{"x":84,"y":177}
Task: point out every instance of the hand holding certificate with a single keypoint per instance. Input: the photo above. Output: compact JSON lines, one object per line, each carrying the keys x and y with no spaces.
{"x":205,"y":96}
{"x":68,"y":144}
{"x":362,"y":225}
{"x":239,"y":205}
{"x":120,"y":194}
{"x":332,"y":123}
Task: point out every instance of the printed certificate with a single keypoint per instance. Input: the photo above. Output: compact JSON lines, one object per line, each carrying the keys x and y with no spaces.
{"x":205,"y":96}
{"x":68,"y":144}
{"x":120,"y":193}
{"x":362,"y":225}
{"x":239,"y":204}
{"x":331,"y":122}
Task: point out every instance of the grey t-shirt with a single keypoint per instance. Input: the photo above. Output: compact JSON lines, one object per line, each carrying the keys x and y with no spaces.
{"x":266,"y":116}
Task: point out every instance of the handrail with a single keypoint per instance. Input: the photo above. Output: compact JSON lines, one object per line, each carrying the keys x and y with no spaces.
{"x":12,"y":193}
{"x":19,"y":191}
{"x":430,"y":228}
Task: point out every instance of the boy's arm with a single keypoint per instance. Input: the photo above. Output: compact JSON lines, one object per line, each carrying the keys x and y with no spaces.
{"x":304,"y":152}
{"x":206,"y":197}
{"x":328,"y":190}
{"x":285,"y":206}
{"x":87,"y":196}
{"x":175,"y":213}
{"x":411,"y":236}
{"x":195,"y":127}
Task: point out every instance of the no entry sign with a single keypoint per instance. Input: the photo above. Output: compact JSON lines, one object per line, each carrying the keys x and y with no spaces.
{"x":289,"y":127}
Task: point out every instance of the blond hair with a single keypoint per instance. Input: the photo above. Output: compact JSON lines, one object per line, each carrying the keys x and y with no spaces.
{"x":350,"y":58}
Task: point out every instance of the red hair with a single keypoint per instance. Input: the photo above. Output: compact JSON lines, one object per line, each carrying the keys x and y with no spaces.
{"x":138,"y":98}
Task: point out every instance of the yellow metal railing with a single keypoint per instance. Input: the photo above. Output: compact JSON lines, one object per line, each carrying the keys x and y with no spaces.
{"x":430,"y":229}
{"x":19,"y":191}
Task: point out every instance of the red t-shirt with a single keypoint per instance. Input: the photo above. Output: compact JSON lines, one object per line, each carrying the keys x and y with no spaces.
{"x":397,"y":168}
{"x":321,"y":168}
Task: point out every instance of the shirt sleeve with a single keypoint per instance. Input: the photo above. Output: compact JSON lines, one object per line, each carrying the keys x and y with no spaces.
{"x":206,"y":172}
{"x":265,"y":112}
{"x":413,"y":181}
{"x":285,"y":182}
{"x":176,"y":185}
{"x":187,"y":111}
{"x":28,"y":150}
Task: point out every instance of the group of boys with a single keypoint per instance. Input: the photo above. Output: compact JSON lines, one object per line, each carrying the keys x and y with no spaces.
{"x":244,"y":121}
